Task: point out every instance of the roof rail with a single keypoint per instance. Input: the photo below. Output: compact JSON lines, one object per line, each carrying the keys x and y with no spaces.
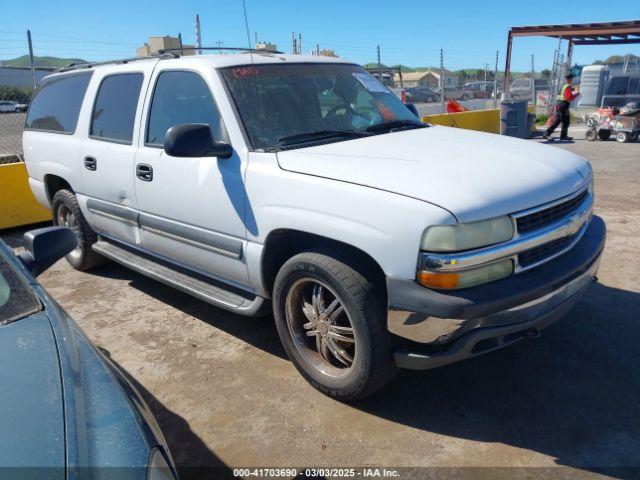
{"x":86,"y":65}
{"x":235,"y":49}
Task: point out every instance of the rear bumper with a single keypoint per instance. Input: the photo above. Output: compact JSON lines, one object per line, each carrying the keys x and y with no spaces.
{"x":451,"y":326}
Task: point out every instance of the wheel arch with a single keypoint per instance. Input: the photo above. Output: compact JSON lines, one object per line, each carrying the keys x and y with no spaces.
{"x":54,"y":183}
{"x":282,"y":244}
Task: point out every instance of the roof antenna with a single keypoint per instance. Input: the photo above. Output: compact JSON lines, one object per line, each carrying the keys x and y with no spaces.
{"x":246,"y":24}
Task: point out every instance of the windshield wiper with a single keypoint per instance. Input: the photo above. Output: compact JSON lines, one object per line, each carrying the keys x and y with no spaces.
{"x":395,"y":125}
{"x":319,"y":134}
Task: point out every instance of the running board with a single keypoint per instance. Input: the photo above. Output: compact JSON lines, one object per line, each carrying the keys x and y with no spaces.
{"x":201,"y":287}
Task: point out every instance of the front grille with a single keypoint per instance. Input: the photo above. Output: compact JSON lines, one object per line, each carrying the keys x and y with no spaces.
{"x":542,"y":218}
{"x":533,"y":256}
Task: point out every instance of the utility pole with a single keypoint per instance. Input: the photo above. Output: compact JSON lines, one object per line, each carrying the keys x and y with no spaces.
{"x":33,"y":69}
{"x":317,"y":49}
{"x":495,"y":82}
{"x":442,"y":79}
{"x":299,"y":43}
{"x":198,"y":36}
{"x":180,"y":42}
{"x":486,"y":68}
{"x":379,"y":65}
{"x":533,"y":84}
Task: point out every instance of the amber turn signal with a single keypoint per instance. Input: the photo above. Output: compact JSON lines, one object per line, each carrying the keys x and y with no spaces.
{"x":444,"y":281}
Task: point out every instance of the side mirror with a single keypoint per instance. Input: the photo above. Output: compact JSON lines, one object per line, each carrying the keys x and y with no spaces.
{"x":194,"y":140}
{"x":413,"y":109}
{"x":45,"y":246}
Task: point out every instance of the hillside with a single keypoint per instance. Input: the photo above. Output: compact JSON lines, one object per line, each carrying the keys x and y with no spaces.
{"x":55,"y":62}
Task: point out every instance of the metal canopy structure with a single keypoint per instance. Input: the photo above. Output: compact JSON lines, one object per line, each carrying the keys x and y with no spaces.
{"x":608,"y":33}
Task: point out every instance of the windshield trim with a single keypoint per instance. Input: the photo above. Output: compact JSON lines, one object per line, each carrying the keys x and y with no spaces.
{"x":240,"y":121}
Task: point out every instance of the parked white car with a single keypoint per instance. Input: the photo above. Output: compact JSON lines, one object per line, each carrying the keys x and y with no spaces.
{"x":9,"y":106}
{"x":301,"y":184}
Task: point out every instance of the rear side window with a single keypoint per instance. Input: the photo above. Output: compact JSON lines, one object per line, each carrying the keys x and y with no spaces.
{"x":56,"y":106}
{"x":179,"y":98}
{"x":114,"y":110}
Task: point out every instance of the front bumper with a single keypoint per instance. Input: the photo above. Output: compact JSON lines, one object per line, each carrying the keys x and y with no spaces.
{"x":451,"y":326}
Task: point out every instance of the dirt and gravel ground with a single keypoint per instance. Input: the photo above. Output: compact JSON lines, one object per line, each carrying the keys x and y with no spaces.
{"x":226,"y":397}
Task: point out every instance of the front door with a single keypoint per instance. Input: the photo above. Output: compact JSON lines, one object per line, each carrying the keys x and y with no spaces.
{"x":191,"y":209}
{"x":108,"y":154}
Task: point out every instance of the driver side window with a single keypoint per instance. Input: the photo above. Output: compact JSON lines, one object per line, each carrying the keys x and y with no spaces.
{"x":181,"y":97}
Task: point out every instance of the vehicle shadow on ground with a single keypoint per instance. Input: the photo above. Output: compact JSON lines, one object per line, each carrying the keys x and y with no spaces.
{"x":259,"y":332}
{"x":572,"y":394}
{"x":193,"y":459}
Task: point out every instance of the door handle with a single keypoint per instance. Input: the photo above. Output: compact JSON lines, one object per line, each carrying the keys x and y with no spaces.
{"x":90,"y":163}
{"x":144,"y":172}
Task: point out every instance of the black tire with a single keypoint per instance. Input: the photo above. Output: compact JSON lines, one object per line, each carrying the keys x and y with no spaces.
{"x":591,"y":134}
{"x":633,"y":137}
{"x":82,"y":258}
{"x":372,"y":362}
{"x":604,"y":134}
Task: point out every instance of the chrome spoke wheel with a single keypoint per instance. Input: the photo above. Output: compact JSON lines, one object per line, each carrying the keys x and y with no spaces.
{"x":66,"y":218}
{"x":320,"y":327}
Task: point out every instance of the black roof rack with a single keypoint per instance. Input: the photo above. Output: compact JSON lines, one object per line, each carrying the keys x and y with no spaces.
{"x":235,"y":49}
{"x":86,"y":65}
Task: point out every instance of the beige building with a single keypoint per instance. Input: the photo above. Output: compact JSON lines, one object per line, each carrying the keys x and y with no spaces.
{"x":429,"y":78}
{"x":156,"y":44}
{"x":266,"y":46}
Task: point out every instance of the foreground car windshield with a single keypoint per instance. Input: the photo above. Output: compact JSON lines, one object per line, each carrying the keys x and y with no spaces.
{"x":276,"y":102}
{"x":17,"y":300}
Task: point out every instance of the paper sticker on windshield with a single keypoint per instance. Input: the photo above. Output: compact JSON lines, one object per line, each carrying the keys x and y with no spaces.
{"x":370,"y":82}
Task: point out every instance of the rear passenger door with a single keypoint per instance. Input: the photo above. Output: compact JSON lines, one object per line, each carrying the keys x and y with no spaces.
{"x":108,"y":152}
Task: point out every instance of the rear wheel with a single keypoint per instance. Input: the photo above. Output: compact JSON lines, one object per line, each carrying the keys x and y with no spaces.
{"x":633,"y":137}
{"x":67,"y":213}
{"x":333,"y":326}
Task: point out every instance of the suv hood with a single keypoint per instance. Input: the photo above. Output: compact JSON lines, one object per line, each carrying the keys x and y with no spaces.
{"x":473,"y":175}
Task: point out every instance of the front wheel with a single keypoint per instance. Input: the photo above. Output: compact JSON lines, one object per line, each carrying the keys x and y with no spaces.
{"x":622,"y":137}
{"x":332,"y":325}
{"x":591,"y":134}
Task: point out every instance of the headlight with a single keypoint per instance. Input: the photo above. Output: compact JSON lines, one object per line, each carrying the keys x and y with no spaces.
{"x":466,"y":236}
{"x":466,"y":278}
{"x":158,"y":468}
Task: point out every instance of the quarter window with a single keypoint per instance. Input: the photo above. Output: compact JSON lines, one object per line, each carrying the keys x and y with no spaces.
{"x":114,"y":111}
{"x":56,"y":106}
{"x":179,"y":98}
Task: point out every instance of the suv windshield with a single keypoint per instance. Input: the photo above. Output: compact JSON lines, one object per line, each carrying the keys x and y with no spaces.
{"x":17,"y":299}
{"x":299,"y":103}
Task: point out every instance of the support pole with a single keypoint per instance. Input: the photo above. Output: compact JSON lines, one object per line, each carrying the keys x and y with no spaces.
{"x":569,"y":55}
{"x":533,"y":83}
{"x":180,"y":42}
{"x":507,"y":66}
{"x":379,"y":65}
{"x":442,"y":79}
{"x":495,"y":82}
{"x":33,"y":68}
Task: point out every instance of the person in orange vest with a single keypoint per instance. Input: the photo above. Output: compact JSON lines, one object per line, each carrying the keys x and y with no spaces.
{"x":563,"y":101}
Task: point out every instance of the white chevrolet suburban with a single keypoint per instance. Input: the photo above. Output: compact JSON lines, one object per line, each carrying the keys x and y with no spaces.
{"x":253,"y":180}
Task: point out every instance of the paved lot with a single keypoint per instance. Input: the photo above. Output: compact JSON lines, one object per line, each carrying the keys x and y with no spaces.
{"x":226,"y":397}
{"x":11,"y":125}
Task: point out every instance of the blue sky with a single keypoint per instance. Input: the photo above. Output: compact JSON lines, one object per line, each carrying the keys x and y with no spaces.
{"x":408,"y":32}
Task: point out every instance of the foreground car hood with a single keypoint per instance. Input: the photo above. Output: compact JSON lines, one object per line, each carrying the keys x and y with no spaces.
{"x":473,"y":175}
{"x":31,"y":397}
